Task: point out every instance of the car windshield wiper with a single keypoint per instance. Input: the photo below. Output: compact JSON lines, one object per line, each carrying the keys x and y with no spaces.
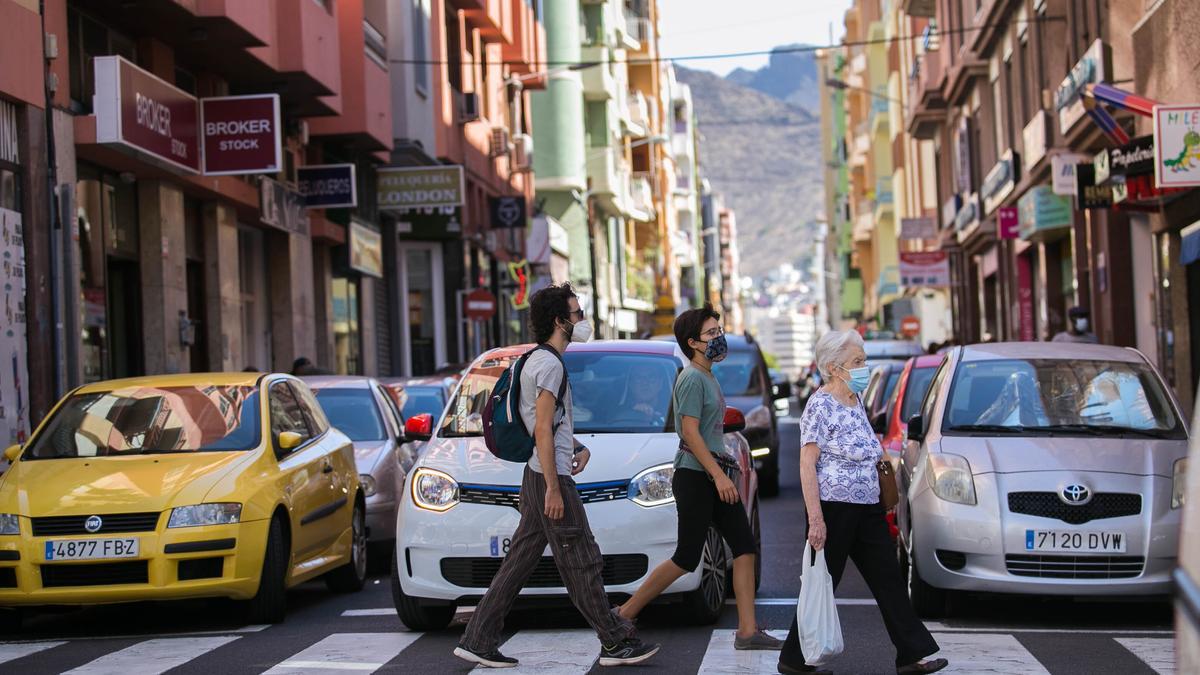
{"x":1106,"y":430}
{"x":992,"y":428}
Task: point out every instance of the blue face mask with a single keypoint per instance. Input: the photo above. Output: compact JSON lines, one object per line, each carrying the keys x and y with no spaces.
{"x":859,"y":378}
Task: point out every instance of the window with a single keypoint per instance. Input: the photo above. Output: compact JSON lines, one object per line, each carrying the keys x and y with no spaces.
{"x":597,"y":124}
{"x":286,"y":414}
{"x":1027,"y":82}
{"x":454,"y":50}
{"x":88,"y":39}
{"x":420,"y":53}
{"x":374,"y":44}
{"x":313,"y":412}
{"x":930,"y":401}
{"x":354,"y":413}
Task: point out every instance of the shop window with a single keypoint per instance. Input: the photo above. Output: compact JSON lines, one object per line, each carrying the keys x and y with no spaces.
{"x":256,"y":312}
{"x":10,"y":190}
{"x":347,"y":337}
{"x":89,"y":38}
{"x":420,"y":50}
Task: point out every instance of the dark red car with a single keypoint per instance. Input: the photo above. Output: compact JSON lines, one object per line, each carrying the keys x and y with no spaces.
{"x":906,"y":401}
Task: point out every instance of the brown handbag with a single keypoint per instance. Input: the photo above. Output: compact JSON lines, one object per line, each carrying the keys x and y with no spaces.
{"x":889,"y":493}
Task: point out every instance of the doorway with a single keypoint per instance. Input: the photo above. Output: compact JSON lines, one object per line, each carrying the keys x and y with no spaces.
{"x":422,"y":310}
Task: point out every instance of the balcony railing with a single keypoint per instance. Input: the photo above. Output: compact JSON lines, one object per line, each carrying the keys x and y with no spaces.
{"x":639,"y":110}
{"x":641,"y":194}
{"x":639,"y":28}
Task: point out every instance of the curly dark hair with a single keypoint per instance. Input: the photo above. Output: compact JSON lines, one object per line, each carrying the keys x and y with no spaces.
{"x":546,"y":307}
{"x":687,"y":326}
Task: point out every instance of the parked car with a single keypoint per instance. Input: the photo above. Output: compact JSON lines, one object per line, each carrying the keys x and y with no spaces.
{"x":459,"y":505}
{"x":747,"y":387}
{"x":880,"y":388}
{"x":905,"y":402}
{"x":182,"y":486}
{"x":781,"y":391}
{"x":880,"y":351}
{"x":361,"y":408}
{"x":1187,"y":574}
{"x":1043,"y":468}
{"x":416,"y":396}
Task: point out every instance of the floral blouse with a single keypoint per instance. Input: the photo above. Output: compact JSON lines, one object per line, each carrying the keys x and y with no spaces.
{"x":849,"y":449}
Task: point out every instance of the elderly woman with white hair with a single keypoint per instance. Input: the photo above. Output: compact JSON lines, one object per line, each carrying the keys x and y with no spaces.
{"x":838,"y":457}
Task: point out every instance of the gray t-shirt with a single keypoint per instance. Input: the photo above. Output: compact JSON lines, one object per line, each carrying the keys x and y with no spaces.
{"x":543,"y":371}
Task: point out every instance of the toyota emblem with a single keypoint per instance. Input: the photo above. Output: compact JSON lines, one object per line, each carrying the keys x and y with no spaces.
{"x":93,"y":524}
{"x":1076,"y":494}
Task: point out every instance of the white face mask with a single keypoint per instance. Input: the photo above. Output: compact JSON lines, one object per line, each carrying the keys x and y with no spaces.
{"x":582,"y":331}
{"x":1081,"y":325}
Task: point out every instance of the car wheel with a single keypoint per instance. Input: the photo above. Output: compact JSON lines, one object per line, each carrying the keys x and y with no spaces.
{"x":351,"y":577}
{"x":413,"y":613}
{"x":269,"y":604}
{"x":928,"y":601}
{"x":703,"y":606}
{"x":756,"y":528}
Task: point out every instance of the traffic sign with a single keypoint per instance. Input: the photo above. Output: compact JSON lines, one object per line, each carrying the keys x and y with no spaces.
{"x":479,"y":305}
{"x":910,"y":325}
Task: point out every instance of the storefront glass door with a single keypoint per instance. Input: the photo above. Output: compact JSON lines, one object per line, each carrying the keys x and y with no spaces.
{"x":422,"y":318}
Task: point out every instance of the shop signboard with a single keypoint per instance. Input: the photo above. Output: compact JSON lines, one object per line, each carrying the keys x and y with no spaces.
{"x":918,"y":228}
{"x":1094,"y":67}
{"x":1063,"y":171}
{"x":419,"y":187}
{"x":479,"y":305}
{"x":14,"y":380}
{"x":282,"y":207}
{"x":1008,"y":223}
{"x":1089,"y":195}
{"x":1034,"y":140}
{"x":507,"y":212}
{"x":519,"y":272}
{"x":999,"y":182}
{"x":968,"y":214}
{"x":1040,"y":209}
{"x":1101,"y":169}
{"x":328,"y":186}
{"x":1025,"y":298}
{"x":139,"y":111}
{"x":366,"y":248}
{"x":241,"y":135}
{"x":963,"y":146}
{"x":1177,"y":145}
{"x":1134,"y":158}
{"x":950,"y":209}
{"x":924,"y":268}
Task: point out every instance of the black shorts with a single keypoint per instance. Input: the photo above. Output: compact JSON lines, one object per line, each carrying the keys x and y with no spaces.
{"x":700,"y":506}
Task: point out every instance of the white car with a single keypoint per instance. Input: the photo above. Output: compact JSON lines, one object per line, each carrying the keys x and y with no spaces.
{"x":458,"y":505}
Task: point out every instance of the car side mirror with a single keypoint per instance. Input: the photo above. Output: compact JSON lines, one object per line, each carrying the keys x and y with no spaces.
{"x":419,"y":427}
{"x":916,"y":428}
{"x":879,"y":423}
{"x":289,"y":440}
{"x":734,"y":420}
{"x":12,"y":452}
{"x":783,"y":390}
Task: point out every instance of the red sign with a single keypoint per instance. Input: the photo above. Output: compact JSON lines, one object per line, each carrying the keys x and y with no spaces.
{"x":241,"y":134}
{"x":137,"y":109}
{"x":479,"y":305}
{"x":520,"y":276}
{"x":1025,"y":297}
{"x":1009,"y":223}
{"x":910,"y":325}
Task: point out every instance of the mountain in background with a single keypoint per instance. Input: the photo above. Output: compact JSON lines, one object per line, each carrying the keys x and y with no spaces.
{"x":790,"y":76}
{"x":763,"y":155}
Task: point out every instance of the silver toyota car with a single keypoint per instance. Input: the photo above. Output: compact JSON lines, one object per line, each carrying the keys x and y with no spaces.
{"x":1051,"y":469}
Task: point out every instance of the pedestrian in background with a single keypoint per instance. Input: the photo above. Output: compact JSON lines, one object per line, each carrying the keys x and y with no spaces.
{"x":1079,"y":328}
{"x":705,"y":493}
{"x":551,"y":509}
{"x":838,"y":454}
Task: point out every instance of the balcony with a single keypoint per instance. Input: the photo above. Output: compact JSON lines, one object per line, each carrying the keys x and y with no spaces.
{"x":364,"y":98}
{"x":641,"y":29}
{"x":927,"y":106}
{"x":641,"y":198}
{"x":878,"y":118}
{"x":304,"y":51}
{"x":491,"y":18}
{"x":637,"y":115}
{"x":598,"y":81}
{"x":526,"y":52}
{"x":608,"y":184}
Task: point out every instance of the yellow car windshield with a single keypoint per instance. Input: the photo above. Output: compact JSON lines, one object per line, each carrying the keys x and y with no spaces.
{"x":151,"y":420}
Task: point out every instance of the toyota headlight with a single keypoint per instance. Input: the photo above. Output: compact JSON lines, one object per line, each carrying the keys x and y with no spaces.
{"x":434,"y":490}
{"x":950,"y":478}
{"x":367,"y":481}
{"x":9,"y":524}
{"x":652,"y":487}
{"x":1178,"y":484}
{"x":205,"y":514}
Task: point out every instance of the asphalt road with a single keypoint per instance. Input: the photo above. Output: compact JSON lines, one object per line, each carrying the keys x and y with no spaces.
{"x":326,"y":633}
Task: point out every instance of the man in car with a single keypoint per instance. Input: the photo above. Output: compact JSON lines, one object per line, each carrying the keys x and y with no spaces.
{"x":644,"y":396}
{"x":551,"y":510}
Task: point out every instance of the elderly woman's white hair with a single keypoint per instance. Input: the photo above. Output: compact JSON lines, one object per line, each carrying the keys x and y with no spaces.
{"x":832,"y":347}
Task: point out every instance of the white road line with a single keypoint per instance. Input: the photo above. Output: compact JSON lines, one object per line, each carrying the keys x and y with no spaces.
{"x":19,"y":650}
{"x":1158,"y":653}
{"x":152,"y":656}
{"x":378,"y":611}
{"x":556,"y":651}
{"x":935,"y":627}
{"x":985,"y":653}
{"x":346,"y":651}
{"x":721,"y":657}
{"x":784,"y":602}
{"x":255,"y":628}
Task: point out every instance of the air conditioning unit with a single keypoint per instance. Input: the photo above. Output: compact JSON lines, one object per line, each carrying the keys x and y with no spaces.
{"x":522,"y":157}
{"x":501,"y":145}
{"x":468,"y":107}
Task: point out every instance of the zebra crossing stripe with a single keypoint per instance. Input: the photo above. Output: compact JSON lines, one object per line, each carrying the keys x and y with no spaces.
{"x":377,"y":611}
{"x":1158,"y":653}
{"x":152,"y":656}
{"x":721,"y":657}
{"x":557,"y":651}
{"x":988,"y":653}
{"x":347,"y":651}
{"x":19,"y":650}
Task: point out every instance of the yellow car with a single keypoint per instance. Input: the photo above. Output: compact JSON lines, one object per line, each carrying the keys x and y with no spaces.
{"x":226,"y":485}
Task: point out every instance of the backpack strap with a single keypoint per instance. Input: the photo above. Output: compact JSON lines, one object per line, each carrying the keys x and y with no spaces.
{"x":562,"y":387}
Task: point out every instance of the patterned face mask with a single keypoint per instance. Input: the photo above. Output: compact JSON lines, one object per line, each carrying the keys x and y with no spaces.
{"x":717,"y":348}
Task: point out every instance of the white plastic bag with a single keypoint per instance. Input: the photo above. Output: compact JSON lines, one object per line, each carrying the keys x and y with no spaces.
{"x":816,"y":613}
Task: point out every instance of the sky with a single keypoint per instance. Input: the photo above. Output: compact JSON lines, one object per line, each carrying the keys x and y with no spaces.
{"x":694,"y":27}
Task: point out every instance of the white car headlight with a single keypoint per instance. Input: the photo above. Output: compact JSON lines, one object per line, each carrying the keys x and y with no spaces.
{"x":205,"y":514}
{"x":434,"y":490}
{"x":950,"y":478}
{"x":368,"y":484}
{"x":1178,"y":484}
{"x":759,"y":418}
{"x":652,"y":487}
{"x":9,"y":524}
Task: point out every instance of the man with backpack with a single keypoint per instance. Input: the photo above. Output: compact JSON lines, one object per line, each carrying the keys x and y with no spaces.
{"x":551,"y":510}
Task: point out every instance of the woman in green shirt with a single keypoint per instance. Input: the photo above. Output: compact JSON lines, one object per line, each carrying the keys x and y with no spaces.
{"x":705,"y":496}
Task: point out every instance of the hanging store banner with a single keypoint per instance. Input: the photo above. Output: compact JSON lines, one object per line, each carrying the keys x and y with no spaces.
{"x":918,"y":228}
{"x":926,"y":268}
{"x":1040,"y":209}
{"x":999,"y":182}
{"x":14,"y":379}
{"x":1089,"y":195}
{"x":241,"y":135}
{"x":419,"y":187}
{"x":507,"y":212}
{"x":281,"y":207}
{"x":1134,"y":158}
{"x":1094,"y":67}
{"x":139,"y":111}
{"x":1008,"y":223}
{"x":328,"y":186}
{"x":519,"y":271}
{"x":366,"y":248}
{"x":1176,"y":146}
{"x":1062,"y":171}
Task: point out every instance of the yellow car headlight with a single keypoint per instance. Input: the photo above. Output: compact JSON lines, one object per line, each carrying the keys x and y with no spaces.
{"x":434,"y":490}
{"x":205,"y":514}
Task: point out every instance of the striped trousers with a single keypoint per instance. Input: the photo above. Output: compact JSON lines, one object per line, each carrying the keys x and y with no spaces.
{"x":575,"y":554}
